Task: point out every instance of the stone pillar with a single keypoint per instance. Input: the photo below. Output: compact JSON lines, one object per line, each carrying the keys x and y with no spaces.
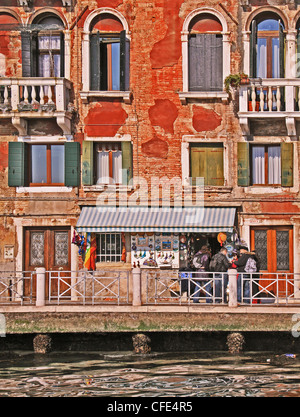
{"x":136,"y":287}
{"x":232,"y":277}
{"x":40,"y":287}
{"x":42,"y":343}
{"x":141,"y":343}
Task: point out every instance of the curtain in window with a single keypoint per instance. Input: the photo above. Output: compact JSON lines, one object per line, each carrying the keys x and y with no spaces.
{"x":102,"y":167}
{"x":258,"y":165}
{"x":117,"y":167}
{"x":103,"y":163}
{"x":274,"y":165}
{"x":262,"y":58}
{"x":275,"y":56}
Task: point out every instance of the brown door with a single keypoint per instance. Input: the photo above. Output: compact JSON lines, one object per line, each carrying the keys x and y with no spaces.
{"x":48,"y":248}
{"x":274,"y":247}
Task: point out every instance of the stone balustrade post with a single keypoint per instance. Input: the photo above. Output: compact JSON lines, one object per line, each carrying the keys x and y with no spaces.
{"x":40,"y":287}
{"x":232,"y":277}
{"x":136,"y":287}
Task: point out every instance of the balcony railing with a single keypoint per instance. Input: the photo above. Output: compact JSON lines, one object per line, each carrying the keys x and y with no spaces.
{"x":174,"y":288}
{"x":270,"y":98}
{"x":34,"y":94}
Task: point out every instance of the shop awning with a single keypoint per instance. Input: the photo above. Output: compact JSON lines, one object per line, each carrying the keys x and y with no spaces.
{"x":139,"y":219}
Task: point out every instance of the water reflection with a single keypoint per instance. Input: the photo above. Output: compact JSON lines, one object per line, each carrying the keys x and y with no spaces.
{"x":125,"y":374}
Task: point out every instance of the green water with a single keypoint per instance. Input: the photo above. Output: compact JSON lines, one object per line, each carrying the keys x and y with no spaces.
{"x":123,"y":374}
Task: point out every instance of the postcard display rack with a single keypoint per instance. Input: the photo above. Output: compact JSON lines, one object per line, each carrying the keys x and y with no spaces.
{"x":160,"y":250}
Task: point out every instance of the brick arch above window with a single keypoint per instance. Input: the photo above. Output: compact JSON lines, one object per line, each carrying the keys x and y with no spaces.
{"x":113,"y":14}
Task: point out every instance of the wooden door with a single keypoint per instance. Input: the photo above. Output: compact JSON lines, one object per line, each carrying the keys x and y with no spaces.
{"x":274,"y":247}
{"x":48,"y":248}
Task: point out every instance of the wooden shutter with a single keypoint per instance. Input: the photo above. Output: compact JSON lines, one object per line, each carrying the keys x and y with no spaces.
{"x":281,"y":50}
{"x":253,"y":49}
{"x":206,"y":62}
{"x":62,"y":55}
{"x":126,"y":162}
{"x":95,"y":62}
{"x":198,"y":163}
{"x":243,"y":169}
{"x":287,"y":159}
{"x":214,"y":164}
{"x":17,"y":164}
{"x":72,"y":164}
{"x":124,"y":61}
{"x":29,"y":54}
{"x":87,"y":163}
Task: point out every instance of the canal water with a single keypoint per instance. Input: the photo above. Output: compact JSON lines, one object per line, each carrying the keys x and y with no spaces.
{"x":169,"y":374}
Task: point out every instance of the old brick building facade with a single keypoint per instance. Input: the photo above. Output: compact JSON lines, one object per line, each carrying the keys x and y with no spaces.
{"x":122,"y":89}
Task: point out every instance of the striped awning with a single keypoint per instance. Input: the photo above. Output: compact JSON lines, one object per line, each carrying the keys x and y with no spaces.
{"x":144,"y":219}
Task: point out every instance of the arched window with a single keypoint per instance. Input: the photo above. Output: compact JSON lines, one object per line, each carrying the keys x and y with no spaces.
{"x":205,"y":53}
{"x":267,"y":47}
{"x":109,"y":54}
{"x":43,"y":48}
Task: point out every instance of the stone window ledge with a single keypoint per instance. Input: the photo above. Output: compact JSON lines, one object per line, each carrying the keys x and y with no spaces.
{"x":124,"y":95}
{"x":202,"y":95}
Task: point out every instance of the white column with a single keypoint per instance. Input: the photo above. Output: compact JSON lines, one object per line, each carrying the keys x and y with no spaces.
{"x":40,"y":287}
{"x":290,"y":64}
{"x":67,"y":57}
{"x":246,"y":43}
{"x":136,"y":287}
{"x":185,"y":60}
{"x":226,"y":54}
{"x":85,"y":61}
{"x":232,"y":275}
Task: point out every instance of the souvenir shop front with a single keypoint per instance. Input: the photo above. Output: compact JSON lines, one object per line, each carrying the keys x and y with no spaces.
{"x":160,"y":238}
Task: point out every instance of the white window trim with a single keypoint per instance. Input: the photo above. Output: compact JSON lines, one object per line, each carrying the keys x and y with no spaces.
{"x":86,"y":92}
{"x":108,"y":187}
{"x":185,"y":161}
{"x":186,"y":94}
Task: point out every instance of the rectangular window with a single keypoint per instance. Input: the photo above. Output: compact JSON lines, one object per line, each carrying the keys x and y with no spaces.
{"x":109,"y":247}
{"x":47,"y":164}
{"x":49,"y":55}
{"x":266,"y":165}
{"x":206,"y":161}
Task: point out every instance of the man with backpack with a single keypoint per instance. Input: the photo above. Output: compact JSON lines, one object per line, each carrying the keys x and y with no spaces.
{"x":201,"y":263}
{"x":246,"y":265}
{"x":220,"y":264}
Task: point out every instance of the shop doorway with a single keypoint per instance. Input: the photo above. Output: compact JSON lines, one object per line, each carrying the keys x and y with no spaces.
{"x":48,"y":248}
{"x":274,"y":247}
{"x":207,"y":240}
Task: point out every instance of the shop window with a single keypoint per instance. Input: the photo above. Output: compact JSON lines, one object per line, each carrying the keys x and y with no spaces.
{"x":109,"y":247}
{"x":267,"y":47}
{"x":43,"y":164}
{"x":205,"y":52}
{"x":106,"y":162}
{"x":43,"y":49}
{"x":265,"y":164}
{"x":109,"y":55}
{"x":206,"y":161}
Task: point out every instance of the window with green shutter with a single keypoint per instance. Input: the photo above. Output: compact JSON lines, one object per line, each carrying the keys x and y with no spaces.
{"x":207,"y":161}
{"x":243,"y":171}
{"x":72,"y":164}
{"x":17,"y":164}
{"x":287,"y":164}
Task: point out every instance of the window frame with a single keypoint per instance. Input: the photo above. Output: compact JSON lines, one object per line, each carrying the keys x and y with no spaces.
{"x":207,"y":145}
{"x":266,"y":164}
{"x":86,"y":92}
{"x":48,"y":165}
{"x":187,"y":95}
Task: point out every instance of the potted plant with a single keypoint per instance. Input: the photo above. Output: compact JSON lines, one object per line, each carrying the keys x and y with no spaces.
{"x":235,"y":80}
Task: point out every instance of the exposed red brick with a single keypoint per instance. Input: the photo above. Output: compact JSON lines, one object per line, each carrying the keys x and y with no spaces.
{"x":155,"y":148}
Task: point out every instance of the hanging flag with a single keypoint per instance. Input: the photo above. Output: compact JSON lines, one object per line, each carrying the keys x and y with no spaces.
{"x":90,"y":253}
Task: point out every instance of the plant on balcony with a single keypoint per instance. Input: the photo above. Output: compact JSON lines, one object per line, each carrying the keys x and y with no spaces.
{"x":235,"y":80}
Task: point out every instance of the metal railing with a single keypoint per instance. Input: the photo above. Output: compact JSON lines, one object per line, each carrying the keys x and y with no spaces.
{"x":17,"y":287}
{"x":86,"y":287}
{"x":212,"y":288}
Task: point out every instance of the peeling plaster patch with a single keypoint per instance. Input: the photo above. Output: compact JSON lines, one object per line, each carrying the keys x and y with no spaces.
{"x":109,"y":3}
{"x":155,"y":148}
{"x":205,"y":120}
{"x":3,"y":156}
{"x":166,"y":52}
{"x":163,"y":114}
{"x":104,"y":120}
